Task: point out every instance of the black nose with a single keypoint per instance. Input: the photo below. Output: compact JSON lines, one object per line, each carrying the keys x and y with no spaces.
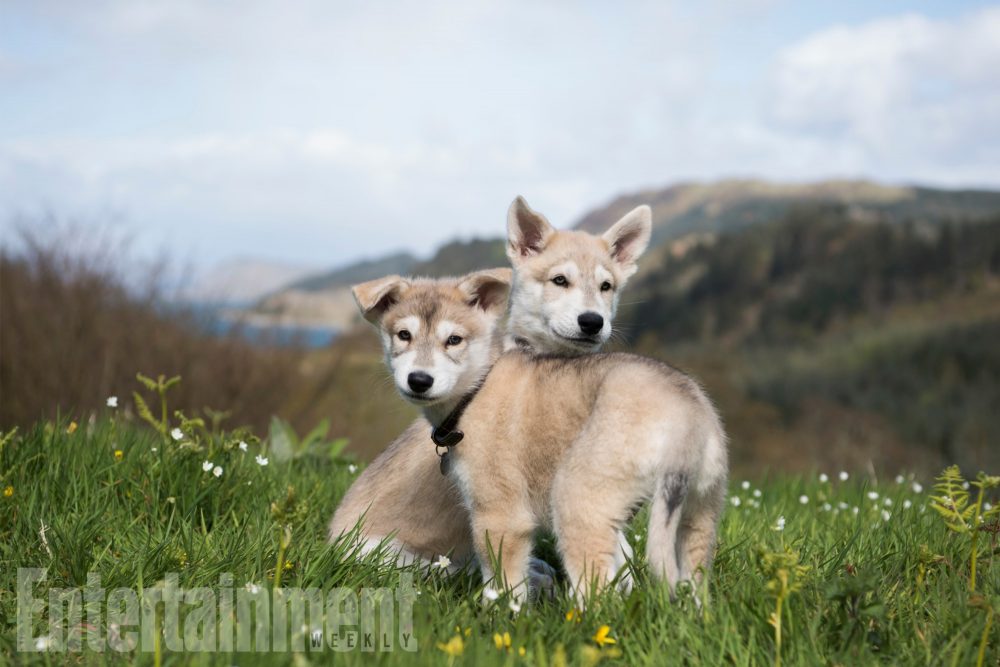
{"x":590,"y":322}
{"x":419,"y":381}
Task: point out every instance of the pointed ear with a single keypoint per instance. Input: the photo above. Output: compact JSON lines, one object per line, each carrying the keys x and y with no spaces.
{"x":527,"y":230}
{"x":487,"y":289}
{"x":628,"y":238}
{"x":376,"y":296}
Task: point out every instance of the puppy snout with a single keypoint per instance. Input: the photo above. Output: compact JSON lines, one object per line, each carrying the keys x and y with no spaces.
{"x":419,"y":381}
{"x":590,"y":322}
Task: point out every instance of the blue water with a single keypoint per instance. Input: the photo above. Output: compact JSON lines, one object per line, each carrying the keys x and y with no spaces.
{"x":210,"y":318}
{"x":315,"y":336}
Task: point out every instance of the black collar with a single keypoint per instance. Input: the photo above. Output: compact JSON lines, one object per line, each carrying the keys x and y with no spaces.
{"x":445,"y":434}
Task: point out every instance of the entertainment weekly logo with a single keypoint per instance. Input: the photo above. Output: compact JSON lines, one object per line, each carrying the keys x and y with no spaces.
{"x":220,"y":619}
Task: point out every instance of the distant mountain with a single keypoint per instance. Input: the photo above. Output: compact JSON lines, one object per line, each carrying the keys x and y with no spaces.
{"x":683,"y":215}
{"x":731,"y":205}
{"x":242,"y":280}
{"x":358,"y":272}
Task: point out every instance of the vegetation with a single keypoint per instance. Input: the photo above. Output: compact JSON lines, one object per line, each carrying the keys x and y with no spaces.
{"x":74,"y":329}
{"x":873,"y":335}
{"x":810,"y":570}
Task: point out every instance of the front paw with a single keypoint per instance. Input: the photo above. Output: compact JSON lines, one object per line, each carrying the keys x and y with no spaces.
{"x":541,"y":580}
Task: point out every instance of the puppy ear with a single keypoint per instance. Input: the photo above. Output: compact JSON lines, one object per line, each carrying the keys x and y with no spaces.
{"x":487,"y":289}
{"x":376,"y":296}
{"x":628,"y":238}
{"x":527,"y":230}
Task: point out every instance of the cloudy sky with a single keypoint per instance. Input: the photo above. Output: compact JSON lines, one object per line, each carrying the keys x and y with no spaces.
{"x":320,"y":132}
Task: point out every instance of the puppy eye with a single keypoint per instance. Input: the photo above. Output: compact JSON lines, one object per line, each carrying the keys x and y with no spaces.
{"x":561,"y":281}
{"x":453,"y":340}
{"x":404,"y":334}
{"x":605,"y":286}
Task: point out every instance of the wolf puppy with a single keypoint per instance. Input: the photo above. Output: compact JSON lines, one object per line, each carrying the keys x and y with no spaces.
{"x":402,"y":494}
{"x":570,"y":443}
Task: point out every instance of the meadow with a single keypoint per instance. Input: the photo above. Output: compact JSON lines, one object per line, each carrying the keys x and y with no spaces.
{"x":846,"y":568}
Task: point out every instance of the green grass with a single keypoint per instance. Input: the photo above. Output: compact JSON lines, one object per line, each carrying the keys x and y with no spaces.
{"x":876,"y":591}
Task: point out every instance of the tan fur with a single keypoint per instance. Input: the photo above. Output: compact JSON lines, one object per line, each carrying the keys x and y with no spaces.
{"x":403,"y":495}
{"x":574,"y":444}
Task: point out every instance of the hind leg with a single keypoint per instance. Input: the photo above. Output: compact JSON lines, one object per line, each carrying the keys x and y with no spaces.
{"x":697,"y":534}
{"x":664,"y":523}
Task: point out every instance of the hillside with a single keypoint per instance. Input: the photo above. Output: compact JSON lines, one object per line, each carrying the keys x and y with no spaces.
{"x":827,"y":339}
{"x":692,"y":211}
{"x":731,"y":205}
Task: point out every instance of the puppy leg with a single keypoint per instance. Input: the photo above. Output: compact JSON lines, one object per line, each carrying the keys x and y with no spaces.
{"x":589,"y":528}
{"x":504,"y":537}
{"x":541,"y":579}
{"x":666,"y":509}
{"x":697,"y":534}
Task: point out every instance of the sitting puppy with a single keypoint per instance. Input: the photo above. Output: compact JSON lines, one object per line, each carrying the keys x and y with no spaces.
{"x":569,"y":443}
{"x":559,"y":305}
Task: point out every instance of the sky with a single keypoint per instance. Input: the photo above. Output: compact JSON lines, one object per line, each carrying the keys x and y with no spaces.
{"x":316,"y":132}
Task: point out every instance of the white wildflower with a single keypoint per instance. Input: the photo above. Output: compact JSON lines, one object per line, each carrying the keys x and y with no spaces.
{"x":873,"y":495}
{"x":515,"y":606}
{"x":351,"y":468}
{"x":780,"y":523}
{"x":918,"y":487}
{"x":965,"y":485}
{"x":804,"y":499}
{"x":827,"y":507}
{"x":490,"y":594}
{"x":243,"y":446}
{"x":217,"y":471}
{"x":442,"y":563}
{"x":261,"y":460}
{"x":207,"y":465}
{"x":900,"y":479}
{"x":735,"y":501}
{"x":42,"y":643}
{"x":745,"y":485}
{"x":756,"y":493}
{"x":907,"y":504}
{"x":843,"y":475}
{"x":112,"y":401}
{"x":177,"y":434}
{"x":842,"y":505}
{"x":823,"y":477}
{"x":887,"y":502}
{"x":854,"y":510}
{"x":885,"y":515}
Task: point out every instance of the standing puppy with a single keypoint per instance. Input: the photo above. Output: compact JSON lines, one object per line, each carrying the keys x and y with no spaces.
{"x":569,"y":443}
{"x":402,"y":499}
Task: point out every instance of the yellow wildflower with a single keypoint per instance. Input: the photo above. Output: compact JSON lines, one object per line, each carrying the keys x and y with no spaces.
{"x":521,"y":651}
{"x":454,"y":646}
{"x":8,"y":492}
{"x":501,"y":641}
{"x":119,"y":455}
{"x":573,"y":615}
{"x":71,"y":429}
{"x":601,"y":636}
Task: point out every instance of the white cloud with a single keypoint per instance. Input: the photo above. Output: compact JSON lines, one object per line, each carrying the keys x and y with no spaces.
{"x":909,"y":95}
{"x":325,"y":131}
